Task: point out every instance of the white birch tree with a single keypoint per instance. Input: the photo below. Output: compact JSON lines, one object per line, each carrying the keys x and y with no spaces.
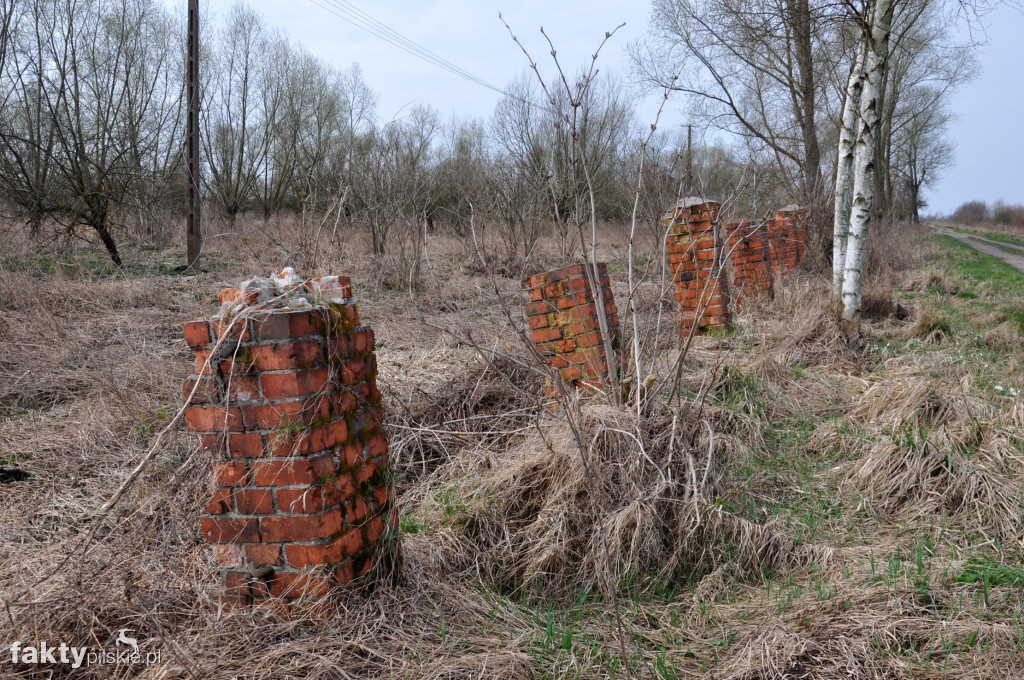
{"x":844,"y":166}
{"x":877,"y":27}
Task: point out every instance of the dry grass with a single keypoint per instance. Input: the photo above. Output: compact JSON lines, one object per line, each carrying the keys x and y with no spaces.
{"x":799,"y":510}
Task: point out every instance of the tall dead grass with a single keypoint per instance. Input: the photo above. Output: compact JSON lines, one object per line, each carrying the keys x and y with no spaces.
{"x":706,"y":503}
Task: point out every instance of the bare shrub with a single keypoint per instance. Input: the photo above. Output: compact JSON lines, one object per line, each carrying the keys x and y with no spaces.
{"x":971,"y":212}
{"x":530,"y":512}
{"x":880,"y":302}
{"x":930,"y":325}
{"x":484,"y":408}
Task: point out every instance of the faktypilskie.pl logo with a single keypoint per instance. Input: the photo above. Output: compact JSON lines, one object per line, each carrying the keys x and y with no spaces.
{"x":125,"y":651}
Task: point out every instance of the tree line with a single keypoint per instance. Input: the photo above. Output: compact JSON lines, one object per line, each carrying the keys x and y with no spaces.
{"x":92,"y":123}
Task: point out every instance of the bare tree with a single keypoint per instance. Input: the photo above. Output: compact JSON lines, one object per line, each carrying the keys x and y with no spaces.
{"x":392,"y":178}
{"x":86,"y":117}
{"x":748,"y":68}
{"x":237,"y":119}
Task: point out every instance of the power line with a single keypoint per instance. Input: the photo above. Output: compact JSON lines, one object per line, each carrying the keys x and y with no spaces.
{"x":405,"y":43}
{"x":348,"y":12}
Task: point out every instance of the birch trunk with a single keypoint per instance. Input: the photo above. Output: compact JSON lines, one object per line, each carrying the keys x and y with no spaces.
{"x":864,"y":158}
{"x":844,"y":168}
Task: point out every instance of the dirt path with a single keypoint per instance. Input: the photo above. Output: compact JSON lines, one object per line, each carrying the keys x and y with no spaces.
{"x":982,"y":245}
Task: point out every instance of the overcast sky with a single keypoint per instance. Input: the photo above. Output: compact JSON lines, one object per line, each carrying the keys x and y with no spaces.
{"x":468,"y":33}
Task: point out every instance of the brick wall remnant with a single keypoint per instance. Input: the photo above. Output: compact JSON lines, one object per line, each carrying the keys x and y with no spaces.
{"x":788,"y":234}
{"x":562,"y":314}
{"x":700,"y":255}
{"x":695,"y":255}
{"x":286,"y":401}
{"x":761,"y":253}
{"x":750,"y":254}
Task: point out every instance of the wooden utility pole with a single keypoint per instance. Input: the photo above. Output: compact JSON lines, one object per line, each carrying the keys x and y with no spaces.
{"x":194,"y":234}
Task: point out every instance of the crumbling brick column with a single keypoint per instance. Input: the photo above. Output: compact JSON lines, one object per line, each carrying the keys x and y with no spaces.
{"x":287,"y":403}
{"x":696,"y":261}
{"x":788,"y":235}
{"x":562,"y":313}
{"x":750,"y":256}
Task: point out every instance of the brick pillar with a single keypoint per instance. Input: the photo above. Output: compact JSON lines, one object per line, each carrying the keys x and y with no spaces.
{"x":288,"y":406}
{"x":788,"y":233}
{"x":750,"y":257}
{"x":562,"y":314}
{"x":749,"y":254}
{"x":695,"y":255}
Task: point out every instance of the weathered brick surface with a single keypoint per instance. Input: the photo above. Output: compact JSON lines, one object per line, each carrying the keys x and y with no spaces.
{"x":701,"y":254}
{"x":562,"y":315}
{"x":761,"y":253}
{"x":696,"y":261}
{"x":288,"y":407}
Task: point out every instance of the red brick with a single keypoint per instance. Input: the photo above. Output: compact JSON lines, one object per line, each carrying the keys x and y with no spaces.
{"x":384,"y":495}
{"x":364,"y":473}
{"x":261,"y":554}
{"x":347,"y":402}
{"x":284,"y":325}
{"x":377,"y":446}
{"x":227,"y":555}
{"x":206,"y":390}
{"x":348,"y":313}
{"x":229,"y":529}
{"x":568,"y":272}
{"x":331,"y":552}
{"x":308,"y":441}
{"x":239,"y":445}
{"x":234,"y":327}
{"x":356,"y":510}
{"x":566,"y":346}
{"x":315,"y":499}
{"x":568,"y":303}
{"x":286,"y":414}
{"x":247,"y":445}
{"x":299,"y":585}
{"x":230,"y":474}
{"x":283,"y":356}
{"x":579,"y":284}
{"x":288,"y":471}
{"x":254,"y":501}
{"x":234,"y":294}
{"x":295,"y":528}
{"x":546,"y":334}
{"x":541,"y":307}
{"x":373,"y":529}
{"x":364,"y":424}
{"x":557,"y":361}
{"x":197,"y":334}
{"x":220,"y":503}
{"x":237,"y":584}
{"x":554,"y":290}
{"x":535,"y":322}
{"x":343,"y":573}
{"x":242,"y":388}
{"x":202,"y":362}
{"x":213,"y":419}
{"x":296,"y":383}
{"x":537,"y":280}
{"x":324,"y":467}
{"x":351,"y":455}
{"x":363,"y":340}
{"x":572,"y":373}
{"x":353,"y":372}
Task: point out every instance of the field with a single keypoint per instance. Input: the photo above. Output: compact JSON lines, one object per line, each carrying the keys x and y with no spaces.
{"x":792,"y":507}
